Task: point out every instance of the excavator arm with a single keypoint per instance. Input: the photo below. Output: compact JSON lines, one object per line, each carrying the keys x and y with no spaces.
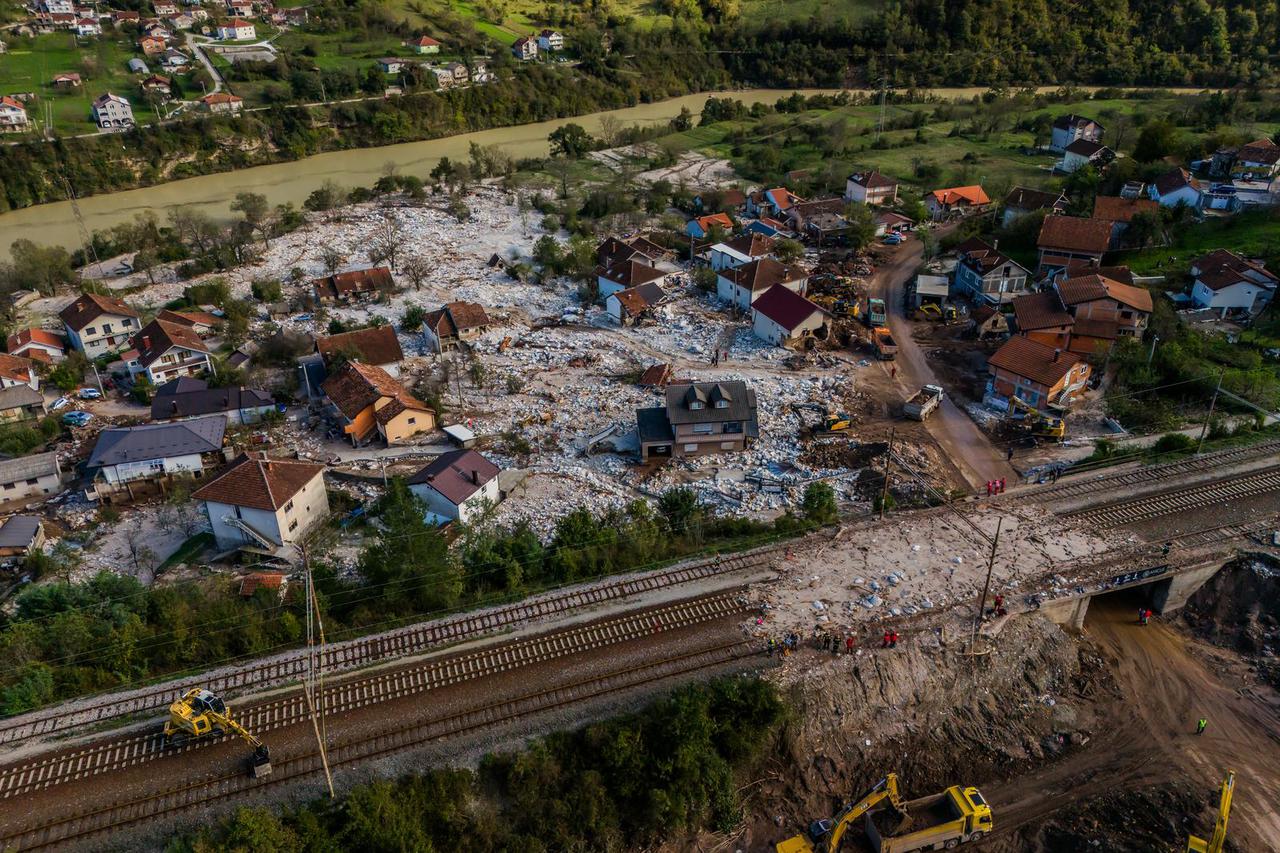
{"x":825,"y":835}
{"x":1219,"y":837}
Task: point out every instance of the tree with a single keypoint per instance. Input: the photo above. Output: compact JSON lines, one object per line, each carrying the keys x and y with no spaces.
{"x":1155,"y":141}
{"x":819,"y":503}
{"x":256,"y":212}
{"x":681,"y":511}
{"x":570,"y":140}
{"x":788,"y":251}
{"x":386,"y":241}
{"x":410,"y":564}
{"x":144,"y":260}
{"x":862,"y":225}
{"x":417,"y":269}
{"x":413,"y":317}
{"x":330,"y":259}
{"x":266,"y":290}
{"x":43,"y":267}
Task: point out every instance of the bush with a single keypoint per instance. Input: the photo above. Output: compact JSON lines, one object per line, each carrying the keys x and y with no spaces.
{"x":1174,"y":442}
{"x":819,"y":503}
{"x":267,"y":290}
{"x":413,"y":317}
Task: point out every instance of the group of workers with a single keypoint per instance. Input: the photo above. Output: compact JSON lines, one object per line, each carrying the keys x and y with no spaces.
{"x":995,"y":487}
{"x":826,"y":641}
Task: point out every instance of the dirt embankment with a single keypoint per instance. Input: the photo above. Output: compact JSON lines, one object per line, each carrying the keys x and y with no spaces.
{"x":1239,"y":608}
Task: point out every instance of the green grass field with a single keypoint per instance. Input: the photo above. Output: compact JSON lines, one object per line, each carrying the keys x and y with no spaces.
{"x":799,"y":10}
{"x":1251,"y":234}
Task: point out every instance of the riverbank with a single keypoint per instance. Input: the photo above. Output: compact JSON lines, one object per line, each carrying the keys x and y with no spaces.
{"x":293,"y":181}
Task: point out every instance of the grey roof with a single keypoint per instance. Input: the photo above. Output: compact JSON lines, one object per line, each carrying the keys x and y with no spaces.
{"x":19,"y":531}
{"x":741,"y":402}
{"x":28,"y":467}
{"x":652,"y":425}
{"x":19,"y":395}
{"x":158,"y":441}
{"x":185,"y":404}
{"x":181,"y":385}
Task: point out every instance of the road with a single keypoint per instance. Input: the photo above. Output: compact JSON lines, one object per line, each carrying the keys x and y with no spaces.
{"x":966,"y":445}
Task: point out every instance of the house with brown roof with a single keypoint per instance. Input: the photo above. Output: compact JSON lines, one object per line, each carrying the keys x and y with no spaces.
{"x":1023,"y":200}
{"x":261,"y":503}
{"x":37,"y":344}
{"x":802,"y":215}
{"x":1224,"y":281}
{"x":870,"y":187}
{"x":699,"y":418}
{"x":741,"y":250}
{"x":1071,"y":127}
{"x":775,"y":202}
{"x":742,"y":285}
{"x":1064,"y":239}
{"x":621,"y":276}
{"x":377,"y":345}
{"x":20,"y":403}
{"x":1257,"y":161}
{"x":367,"y":403}
{"x":346,"y":288}
{"x":955,"y":202}
{"x":222,"y":103}
{"x":1038,"y":375}
{"x":987,"y":275}
{"x":98,"y":325}
{"x":1096,"y":297}
{"x":457,"y":486}
{"x":1082,"y":153}
{"x":1120,"y":211}
{"x":201,"y":322}
{"x":16,"y":371}
{"x":167,"y":350}
{"x":628,"y":306}
{"x":454,"y":324}
{"x":1176,"y":187}
{"x":783,"y":317}
{"x":615,"y":251}
{"x":1042,"y":318}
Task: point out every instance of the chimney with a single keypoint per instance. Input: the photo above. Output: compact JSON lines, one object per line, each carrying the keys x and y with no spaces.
{"x":146,"y":342}
{"x":995,"y":244}
{"x":1057,"y":354}
{"x":475,"y":476}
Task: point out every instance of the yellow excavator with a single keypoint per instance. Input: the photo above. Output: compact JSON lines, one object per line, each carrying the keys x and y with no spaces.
{"x":1219,"y":837}
{"x":1037,"y":422}
{"x":942,"y":821}
{"x":201,"y":714}
{"x":831,"y":423}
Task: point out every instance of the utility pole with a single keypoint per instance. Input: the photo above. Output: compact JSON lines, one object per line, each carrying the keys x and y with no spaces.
{"x":986,"y":586}
{"x":1204,"y":430}
{"x":884,"y":90}
{"x":884,"y":492}
{"x":315,"y":667}
{"x":1155,"y":339}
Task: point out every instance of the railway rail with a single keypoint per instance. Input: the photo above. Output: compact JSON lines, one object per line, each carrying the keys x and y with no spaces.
{"x":1147,"y":507}
{"x":1123,"y":480}
{"x":52,"y":769}
{"x":291,"y":667}
{"x":79,"y":828}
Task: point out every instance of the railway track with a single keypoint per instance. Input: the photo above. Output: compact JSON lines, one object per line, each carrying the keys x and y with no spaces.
{"x":1119,"y":482}
{"x":52,"y":769}
{"x":78,"y":828}
{"x":291,"y":667}
{"x":1201,"y":496}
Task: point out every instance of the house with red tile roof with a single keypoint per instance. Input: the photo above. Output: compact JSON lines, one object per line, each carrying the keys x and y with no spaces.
{"x":457,"y":486}
{"x":377,"y":345}
{"x":742,"y":285}
{"x":782,"y":317}
{"x":954,"y":202}
{"x":370,"y":404}
{"x":167,"y":351}
{"x":345,"y":288}
{"x":258,"y":502}
{"x":15,"y":371}
{"x":1037,"y":374}
{"x":700,"y":227}
{"x":1096,"y":297}
{"x":38,"y":344}
{"x":99,"y":325}
{"x":1067,"y":239}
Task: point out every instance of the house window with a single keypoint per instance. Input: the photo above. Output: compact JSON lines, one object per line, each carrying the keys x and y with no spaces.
{"x":413,"y":420}
{"x":688,"y":448}
{"x":695,"y":405}
{"x":702,"y":429}
{"x":1126,"y":315}
{"x":31,"y":481}
{"x":91,"y":331}
{"x":732,"y":426}
{"x":288,"y":507}
{"x":722,"y":404}
{"x":293,"y":525}
{"x":10,"y":486}
{"x":106,"y":328}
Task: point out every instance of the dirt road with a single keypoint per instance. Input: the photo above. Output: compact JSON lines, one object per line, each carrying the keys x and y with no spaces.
{"x":1168,"y":682}
{"x":971,"y":451}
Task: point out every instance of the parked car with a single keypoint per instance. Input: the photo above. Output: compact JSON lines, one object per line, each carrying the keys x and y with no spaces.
{"x":60,"y":403}
{"x":90,"y":394}
{"x":893,"y":239}
{"x":78,"y":419}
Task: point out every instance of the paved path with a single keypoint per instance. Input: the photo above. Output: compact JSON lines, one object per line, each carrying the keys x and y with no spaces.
{"x":968,"y":447}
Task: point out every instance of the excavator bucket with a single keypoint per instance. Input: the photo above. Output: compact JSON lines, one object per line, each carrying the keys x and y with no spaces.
{"x":260,"y":763}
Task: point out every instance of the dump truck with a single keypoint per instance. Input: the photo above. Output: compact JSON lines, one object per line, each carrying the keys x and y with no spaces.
{"x":876,"y":314}
{"x":922,"y":403}
{"x":942,"y":821}
{"x":883,"y":343}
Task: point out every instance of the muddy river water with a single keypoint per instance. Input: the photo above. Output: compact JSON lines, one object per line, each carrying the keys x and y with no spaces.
{"x":294,"y":181}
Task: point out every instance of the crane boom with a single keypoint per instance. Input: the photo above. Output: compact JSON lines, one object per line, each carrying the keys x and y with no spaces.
{"x":1219,"y":837}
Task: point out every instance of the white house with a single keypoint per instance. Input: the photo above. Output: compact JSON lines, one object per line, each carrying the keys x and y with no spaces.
{"x":13,"y":115}
{"x":742,"y":285}
{"x":1068,"y":128}
{"x":112,"y":112}
{"x":154,"y":452}
{"x":236,"y":31}
{"x":1084,"y":152}
{"x":627,"y":306}
{"x":870,"y":187}
{"x":781,"y":316}
{"x":15,"y":371}
{"x":25,"y":476}
{"x":263,"y":502}
{"x":740,"y":251}
{"x":1177,"y":187}
{"x":1224,"y":281}
{"x":37,"y":344}
{"x":97,"y":325}
{"x":457,"y":486}
{"x":625,"y":275}
{"x":167,"y":351}
{"x":525,"y":48}
{"x":550,"y":40}
{"x":88,"y":27}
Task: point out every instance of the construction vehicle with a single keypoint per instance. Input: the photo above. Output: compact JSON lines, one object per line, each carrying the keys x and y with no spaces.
{"x":923,"y":402}
{"x":1219,"y":837}
{"x":876,"y":314}
{"x":832,"y":423}
{"x":954,"y":816}
{"x":933,"y":311}
{"x":1036,"y":422}
{"x":883,"y":343}
{"x":202,"y":714}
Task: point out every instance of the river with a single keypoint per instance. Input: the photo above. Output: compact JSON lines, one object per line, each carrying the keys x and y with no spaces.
{"x":294,"y":181}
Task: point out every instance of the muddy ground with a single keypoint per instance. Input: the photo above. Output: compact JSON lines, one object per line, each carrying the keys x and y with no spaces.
{"x":1080,"y":742}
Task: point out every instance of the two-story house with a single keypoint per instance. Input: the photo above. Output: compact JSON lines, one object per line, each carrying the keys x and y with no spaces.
{"x":986,"y":275}
{"x":550,"y":40}
{"x":1096,"y":297}
{"x":1066,"y":240}
{"x":266,"y":503}
{"x":99,"y":325}
{"x":130,"y":459}
{"x":1257,"y":161}
{"x":1082,"y":153}
{"x":370,"y":404}
{"x":457,"y":486}
{"x":741,"y":286}
{"x":624,"y":275}
{"x":1177,"y":187}
{"x":38,"y":345}
{"x":13,"y":116}
{"x":16,"y":371}
{"x":741,"y":250}
{"x":698,"y":419}
{"x":1023,"y":200}
{"x":167,"y":351}
{"x":112,"y":112}
{"x":525,"y":48}
{"x":1068,"y":128}
{"x":454,"y":324}
{"x":1225,"y":282}
{"x":870,"y":187}
{"x":1038,"y":375}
